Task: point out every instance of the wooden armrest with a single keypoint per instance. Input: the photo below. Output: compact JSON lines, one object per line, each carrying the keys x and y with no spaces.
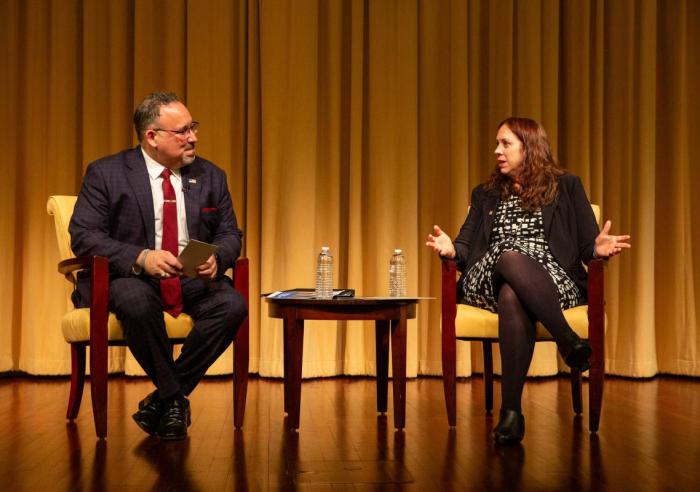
{"x":240,"y":277}
{"x":241,"y":358}
{"x":449,"y":281}
{"x":73,"y":264}
{"x":99,"y":299}
{"x":596,"y":283}
{"x":67,"y":267}
{"x":449,"y":337}
{"x":98,"y":266}
{"x":449,"y":297}
{"x":596,"y":328}
{"x":99,"y":291}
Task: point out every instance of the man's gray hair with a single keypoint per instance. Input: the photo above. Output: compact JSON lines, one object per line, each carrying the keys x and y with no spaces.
{"x":149,"y":109}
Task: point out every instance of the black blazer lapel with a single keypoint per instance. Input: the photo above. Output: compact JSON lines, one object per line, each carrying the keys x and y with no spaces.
{"x":488,"y":212}
{"x":547,"y":214}
{"x":137,"y":176}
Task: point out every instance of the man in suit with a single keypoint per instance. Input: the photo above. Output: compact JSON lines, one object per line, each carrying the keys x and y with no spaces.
{"x":139,"y":208}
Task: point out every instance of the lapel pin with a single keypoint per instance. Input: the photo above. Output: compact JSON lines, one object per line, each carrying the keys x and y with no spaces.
{"x":192,"y":181}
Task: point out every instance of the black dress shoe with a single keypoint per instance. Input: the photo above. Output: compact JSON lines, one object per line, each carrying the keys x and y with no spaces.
{"x":175,"y":420}
{"x":579,"y":355}
{"x":510,"y":428}
{"x":149,"y":413}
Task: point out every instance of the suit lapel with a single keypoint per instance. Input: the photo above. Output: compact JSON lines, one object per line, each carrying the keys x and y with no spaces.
{"x":138,"y":178}
{"x":192,"y":185}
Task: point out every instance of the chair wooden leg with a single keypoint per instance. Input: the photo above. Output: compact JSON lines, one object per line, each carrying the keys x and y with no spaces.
{"x":595,"y":400}
{"x":488,"y":375}
{"x":77,"y":379}
{"x":241,"y":349}
{"x":596,"y":380}
{"x":576,"y":391}
{"x":241,"y":358}
{"x":596,"y":337}
{"x":98,"y":386}
{"x":449,"y":375}
{"x":99,"y":316}
{"x":449,"y":338}
{"x":285,"y":350}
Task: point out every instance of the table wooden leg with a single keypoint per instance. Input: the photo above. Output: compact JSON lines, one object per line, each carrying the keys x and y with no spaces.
{"x":382,"y":342}
{"x":285,"y":350}
{"x":398,"y":361}
{"x":295,"y":347}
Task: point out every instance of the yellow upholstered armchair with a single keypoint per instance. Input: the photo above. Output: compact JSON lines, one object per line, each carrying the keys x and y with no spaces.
{"x":97,"y":328}
{"x":462,"y":322}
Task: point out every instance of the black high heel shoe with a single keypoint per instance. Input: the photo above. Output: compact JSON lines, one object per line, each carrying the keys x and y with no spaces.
{"x":579,"y":355}
{"x":510,"y":428}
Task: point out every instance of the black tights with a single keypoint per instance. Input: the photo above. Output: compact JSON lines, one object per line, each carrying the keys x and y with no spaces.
{"x":526,"y":293}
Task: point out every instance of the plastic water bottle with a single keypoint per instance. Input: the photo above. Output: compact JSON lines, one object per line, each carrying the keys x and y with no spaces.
{"x":324,"y":274}
{"x":397,"y":274}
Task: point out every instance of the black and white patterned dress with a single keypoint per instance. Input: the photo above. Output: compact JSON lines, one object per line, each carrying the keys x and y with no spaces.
{"x":516,"y":229}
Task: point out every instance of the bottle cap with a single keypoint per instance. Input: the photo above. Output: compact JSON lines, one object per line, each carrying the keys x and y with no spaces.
{"x":397,"y":251}
{"x":325,"y":248}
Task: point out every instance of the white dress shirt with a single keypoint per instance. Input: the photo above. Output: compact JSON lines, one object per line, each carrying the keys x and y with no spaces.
{"x":154,"y":172}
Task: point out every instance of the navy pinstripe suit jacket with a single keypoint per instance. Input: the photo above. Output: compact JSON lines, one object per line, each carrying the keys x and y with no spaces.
{"x":113,"y":215}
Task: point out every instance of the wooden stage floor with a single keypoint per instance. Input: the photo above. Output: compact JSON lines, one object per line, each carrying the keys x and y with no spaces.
{"x":649,"y":439}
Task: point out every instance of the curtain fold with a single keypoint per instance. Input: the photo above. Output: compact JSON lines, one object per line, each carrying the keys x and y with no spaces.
{"x":358,"y":125}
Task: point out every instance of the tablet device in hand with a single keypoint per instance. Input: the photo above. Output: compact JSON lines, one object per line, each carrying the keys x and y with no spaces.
{"x":194,"y":254}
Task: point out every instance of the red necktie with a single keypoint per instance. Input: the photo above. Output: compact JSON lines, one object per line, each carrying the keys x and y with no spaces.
{"x":170,"y":288}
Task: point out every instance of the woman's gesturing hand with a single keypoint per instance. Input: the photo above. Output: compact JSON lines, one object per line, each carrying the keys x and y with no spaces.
{"x":607,"y":245}
{"x":441,"y":243}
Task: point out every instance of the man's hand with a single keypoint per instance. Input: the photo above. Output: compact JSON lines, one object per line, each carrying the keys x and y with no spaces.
{"x":162,"y":264}
{"x":207,"y":270}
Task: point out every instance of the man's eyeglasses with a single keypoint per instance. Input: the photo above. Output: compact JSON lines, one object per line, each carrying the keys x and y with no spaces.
{"x":182,"y":133}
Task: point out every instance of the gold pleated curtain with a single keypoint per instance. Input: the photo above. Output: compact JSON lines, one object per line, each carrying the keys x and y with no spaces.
{"x":358,"y":125}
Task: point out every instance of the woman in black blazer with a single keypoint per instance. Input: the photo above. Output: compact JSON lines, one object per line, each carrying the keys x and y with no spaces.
{"x":529,"y":230}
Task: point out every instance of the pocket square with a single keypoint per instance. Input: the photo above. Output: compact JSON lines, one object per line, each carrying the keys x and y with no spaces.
{"x":207,"y":210}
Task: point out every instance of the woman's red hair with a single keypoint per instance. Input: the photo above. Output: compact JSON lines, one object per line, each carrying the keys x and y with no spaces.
{"x":539,"y":171}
